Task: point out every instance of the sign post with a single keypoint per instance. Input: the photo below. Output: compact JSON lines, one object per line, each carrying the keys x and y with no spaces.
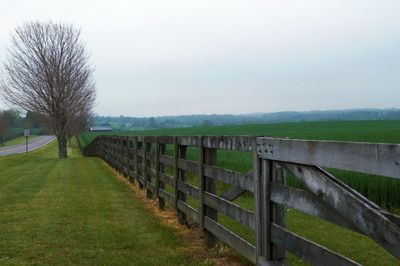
{"x":27,"y":132}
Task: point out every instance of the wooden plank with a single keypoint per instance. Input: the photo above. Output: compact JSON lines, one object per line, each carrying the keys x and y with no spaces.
{"x":392,"y":217}
{"x":166,"y":196}
{"x":233,"y":193}
{"x":234,"y":178}
{"x":368,"y":220}
{"x":188,"y":210}
{"x":188,"y":141}
{"x":230,"y":209}
{"x":188,"y":189}
{"x":263,"y":262}
{"x":167,"y":160}
{"x":151,"y":187}
{"x":307,"y":250}
{"x":308,"y":203}
{"x":167,"y":179}
{"x":151,"y":139}
{"x":235,"y":143}
{"x":140,"y":180}
{"x":187,"y":165}
{"x":377,"y":159}
{"x":233,"y":240}
{"x":150,"y":171}
{"x":165,"y":140}
{"x":131,"y":173}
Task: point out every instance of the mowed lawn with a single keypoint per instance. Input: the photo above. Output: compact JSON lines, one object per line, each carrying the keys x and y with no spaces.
{"x":75,"y":211}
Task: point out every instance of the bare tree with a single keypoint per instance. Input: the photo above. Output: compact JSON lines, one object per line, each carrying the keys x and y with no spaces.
{"x":48,"y":72}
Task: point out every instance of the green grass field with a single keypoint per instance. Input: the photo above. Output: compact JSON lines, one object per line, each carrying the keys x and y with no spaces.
{"x":382,"y":190}
{"x":18,"y":140}
{"x":75,"y":211}
{"x":367,"y":131}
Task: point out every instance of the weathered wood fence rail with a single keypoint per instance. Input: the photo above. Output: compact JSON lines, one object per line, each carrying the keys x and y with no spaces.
{"x":145,"y":159}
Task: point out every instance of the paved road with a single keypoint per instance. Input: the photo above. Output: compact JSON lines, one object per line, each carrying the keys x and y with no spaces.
{"x":32,"y":145}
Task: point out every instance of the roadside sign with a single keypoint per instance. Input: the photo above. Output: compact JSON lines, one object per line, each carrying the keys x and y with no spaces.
{"x":27,"y":132}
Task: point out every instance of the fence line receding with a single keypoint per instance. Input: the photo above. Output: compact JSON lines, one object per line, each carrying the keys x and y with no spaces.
{"x":160,"y":166}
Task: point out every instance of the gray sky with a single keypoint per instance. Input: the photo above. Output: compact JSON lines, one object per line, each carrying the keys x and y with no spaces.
{"x":184,"y":57}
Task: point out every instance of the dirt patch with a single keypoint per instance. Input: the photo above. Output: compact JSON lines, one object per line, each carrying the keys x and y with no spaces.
{"x":193,"y":238}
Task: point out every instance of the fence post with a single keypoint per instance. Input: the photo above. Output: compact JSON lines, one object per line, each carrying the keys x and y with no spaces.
{"x":127,"y":157}
{"x":266,"y":212}
{"x":117,"y":155}
{"x":147,"y":164}
{"x":278,"y":212}
{"x":144,"y":164}
{"x":112,"y":151}
{"x":176,"y":172}
{"x":210,"y":158}
{"x":105,"y":139}
{"x":162,"y":150}
{"x":140,"y":161}
{"x":262,"y":170}
{"x":180,"y":153}
{"x":201,"y":180}
{"x":120,"y":155}
{"x":135,"y":160}
{"x":157,"y":159}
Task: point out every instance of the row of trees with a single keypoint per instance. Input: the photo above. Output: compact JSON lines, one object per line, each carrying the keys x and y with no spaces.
{"x":12,"y":123}
{"x":48,"y":73}
{"x":130,"y":123}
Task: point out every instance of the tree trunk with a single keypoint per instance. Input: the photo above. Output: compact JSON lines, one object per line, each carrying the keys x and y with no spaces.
{"x":62,"y":147}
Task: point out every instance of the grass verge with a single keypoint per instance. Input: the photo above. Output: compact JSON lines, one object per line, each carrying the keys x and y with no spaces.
{"x":74,"y":211}
{"x":18,"y":140}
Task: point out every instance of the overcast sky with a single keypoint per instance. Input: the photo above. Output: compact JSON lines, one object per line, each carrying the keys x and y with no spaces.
{"x":187,"y":57}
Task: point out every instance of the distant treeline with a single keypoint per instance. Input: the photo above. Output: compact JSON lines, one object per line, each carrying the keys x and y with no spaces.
{"x":135,"y":123}
{"x":13,"y":122}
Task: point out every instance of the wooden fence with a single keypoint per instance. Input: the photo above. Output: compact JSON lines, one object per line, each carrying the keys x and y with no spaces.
{"x":144,"y":159}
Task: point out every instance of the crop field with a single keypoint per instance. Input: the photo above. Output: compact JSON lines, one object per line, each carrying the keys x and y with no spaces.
{"x":382,"y":190}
